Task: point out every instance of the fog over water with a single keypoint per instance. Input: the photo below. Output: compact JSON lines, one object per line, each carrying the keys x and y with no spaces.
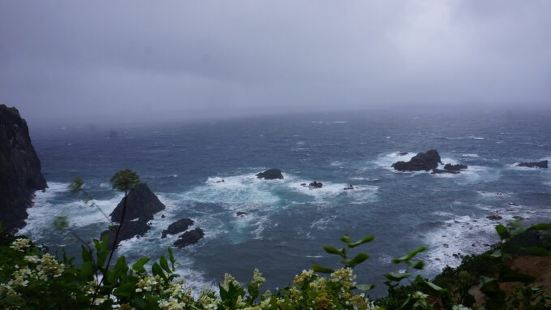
{"x":94,"y":61}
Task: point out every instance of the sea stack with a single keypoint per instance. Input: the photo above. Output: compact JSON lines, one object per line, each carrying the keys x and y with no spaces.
{"x":141,"y":205}
{"x":270,"y":174}
{"x":20,"y":169}
{"x":421,"y":162}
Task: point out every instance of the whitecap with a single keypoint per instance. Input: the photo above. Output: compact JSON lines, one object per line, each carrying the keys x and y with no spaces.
{"x":386,"y":160}
{"x":47,"y":208}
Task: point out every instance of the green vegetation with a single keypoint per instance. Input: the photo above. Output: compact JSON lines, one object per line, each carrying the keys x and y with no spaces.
{"x":514,"y":274}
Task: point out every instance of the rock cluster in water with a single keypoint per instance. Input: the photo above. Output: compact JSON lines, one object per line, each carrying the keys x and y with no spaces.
{"x":177,"y":227}
{"x":538,"y":164}
{"x":427,"y":161}
{"x":421,"y":162}
{"x":20,"y":170}
{"x":142,"y":204}
{"x":189,"y":237}
{"x":270,"y":174}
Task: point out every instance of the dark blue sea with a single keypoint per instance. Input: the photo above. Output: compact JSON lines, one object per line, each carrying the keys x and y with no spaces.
{"x":286,"y":224}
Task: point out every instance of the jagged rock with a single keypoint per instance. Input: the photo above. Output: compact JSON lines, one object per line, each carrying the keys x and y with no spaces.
{"x":349,"y":187}
{"x":270,"y":174}
{"x":539,"y":164}
{"x":189,"y":237}
{"x":20,"y":170}
{"x":315,"y":184}
{"x":422,"y":161}
{"x":177,"y":227}
{"x":142,"y":204}
{"x":494,"y":217}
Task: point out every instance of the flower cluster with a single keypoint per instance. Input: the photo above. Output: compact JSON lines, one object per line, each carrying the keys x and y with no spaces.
{"x":21,"y":244}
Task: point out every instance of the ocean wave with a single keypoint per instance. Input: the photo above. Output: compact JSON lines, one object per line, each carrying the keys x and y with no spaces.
{"x":385,"y":161}
{"x":469,"y":234}
{"x":48,"y":205}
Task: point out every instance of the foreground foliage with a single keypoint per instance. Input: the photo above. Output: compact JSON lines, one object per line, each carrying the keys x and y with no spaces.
{"x":502,"y":278}
{"x":32,"y":278}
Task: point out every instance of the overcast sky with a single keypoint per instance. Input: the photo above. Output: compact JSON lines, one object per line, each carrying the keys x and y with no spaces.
{"x":92,"y":60}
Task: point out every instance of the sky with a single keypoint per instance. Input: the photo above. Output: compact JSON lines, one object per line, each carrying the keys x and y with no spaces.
{"x":93,"y":61}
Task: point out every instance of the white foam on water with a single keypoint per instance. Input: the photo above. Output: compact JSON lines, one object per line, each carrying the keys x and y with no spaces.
{"x":474,"y":174}
{"x":246,"y":188}
{"x":46,"y":209}
{"x":468,"y":234}
{"x":337,"y":163}
{"x":494,"y":195}
{"x":470,"y":155}
{"x":457,"y":236}
{"x":386,"y":160}
{"x":322,"y":223}
{"x":330,"y":191}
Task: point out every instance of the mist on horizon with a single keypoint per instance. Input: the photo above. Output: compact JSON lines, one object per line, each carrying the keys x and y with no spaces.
{"x":103,"y":62}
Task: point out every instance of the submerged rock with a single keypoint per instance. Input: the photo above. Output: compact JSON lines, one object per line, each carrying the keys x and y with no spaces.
{"x":241,"y":213}
{"x":270,"y":174}
{"x":315,"y":184}
{"x":20,"y":169}
{"x":189,"y":237}
{"x":494,"y":217}
{"x":538,"y":164}
{"x":177,"y":227}
{"x":422,"y":161}
{"x":450,"y":168}
{"x":457,"y":167}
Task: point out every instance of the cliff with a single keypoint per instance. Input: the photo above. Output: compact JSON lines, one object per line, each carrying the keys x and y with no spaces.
{"x":20,"y":174}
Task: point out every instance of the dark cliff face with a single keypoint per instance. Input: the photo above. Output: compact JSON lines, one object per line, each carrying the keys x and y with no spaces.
{"x":20,"y":174}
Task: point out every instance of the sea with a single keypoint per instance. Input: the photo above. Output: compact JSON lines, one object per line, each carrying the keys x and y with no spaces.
{"x":285,"y":224}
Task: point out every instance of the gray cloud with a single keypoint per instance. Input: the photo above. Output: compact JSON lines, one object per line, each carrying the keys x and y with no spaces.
{"x":86,"y":60}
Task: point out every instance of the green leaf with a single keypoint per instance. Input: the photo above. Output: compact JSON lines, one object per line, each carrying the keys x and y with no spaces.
{"x":158,"y":271}
{"x":321,"y":269}
{"x":541,"y":226}
{"x":396,"y":276}
{"x":171,"y":257}
{"x":333,"y":250}
{"x":418,"y":264}
{"x":86,"y":255}
{"x":503,"y":232}
{"x":138,"y":266}
{"x":434,"y":287}
{"x":164,"y":263}
{"x":125,"y":180}
{"x":346,"y":239}
{"x":358,"y":259}
{"x":365,"y":287}
{"x":76,"y":185}
{"x":409,"y":256}
{"x":364,"y":240}
{"x":86,"y":270}
{"x":102,"y":251}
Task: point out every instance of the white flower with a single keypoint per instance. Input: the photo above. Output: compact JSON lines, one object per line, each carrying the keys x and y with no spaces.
{"x":21,"y":244}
